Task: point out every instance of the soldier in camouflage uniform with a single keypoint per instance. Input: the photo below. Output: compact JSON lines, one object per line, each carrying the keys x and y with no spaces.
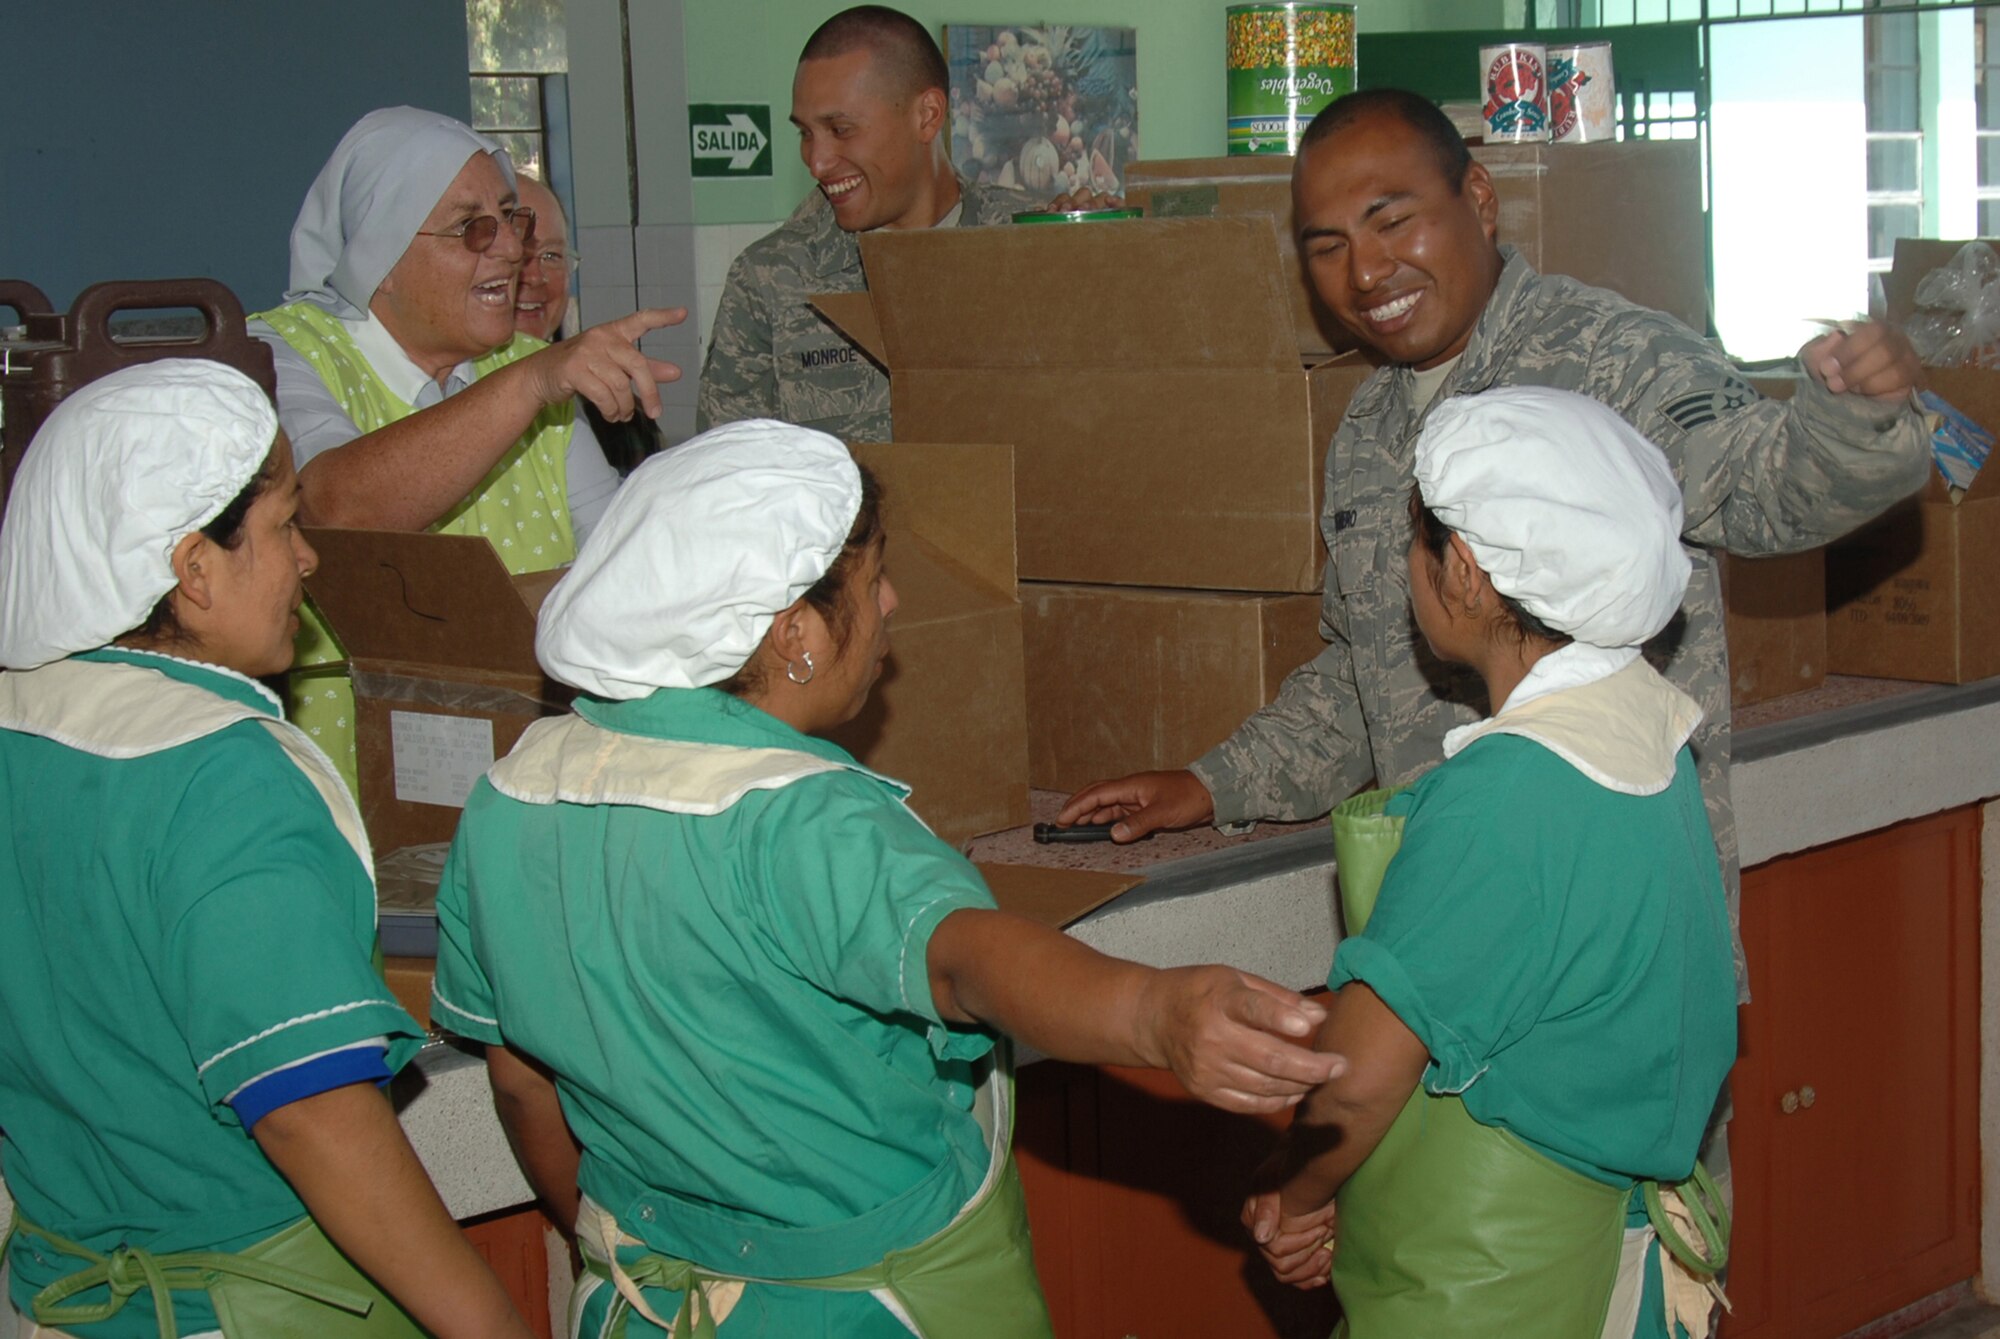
{"x":869,"y":100}
{"x":1410,"y":266}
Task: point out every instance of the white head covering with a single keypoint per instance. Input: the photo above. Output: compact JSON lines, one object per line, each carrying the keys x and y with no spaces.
{"x":120,"y":473}
{"x":385,"y":177}
{"x":700,"y":548}
{"x":1566,"y":507}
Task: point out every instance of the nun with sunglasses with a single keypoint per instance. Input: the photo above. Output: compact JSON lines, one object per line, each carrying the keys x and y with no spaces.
{"x":411,"y":401}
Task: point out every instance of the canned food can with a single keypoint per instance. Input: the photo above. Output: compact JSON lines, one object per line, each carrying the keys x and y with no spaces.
{"x":1286,"y":62}
{"x":1515,"y":75}
{"x":1583,"y":95}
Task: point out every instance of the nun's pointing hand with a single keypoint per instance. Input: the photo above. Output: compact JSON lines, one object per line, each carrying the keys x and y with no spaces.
{"x":605,"y":367}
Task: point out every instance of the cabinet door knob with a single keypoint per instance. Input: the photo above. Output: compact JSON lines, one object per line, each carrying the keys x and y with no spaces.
{"x":1788,"y":1103}
{"x":1807,"y":1096}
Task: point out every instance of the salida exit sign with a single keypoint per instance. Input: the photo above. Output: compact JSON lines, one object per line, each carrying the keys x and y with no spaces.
{"x":730,"y":139}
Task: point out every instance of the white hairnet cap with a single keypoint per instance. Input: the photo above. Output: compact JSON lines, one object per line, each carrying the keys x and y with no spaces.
{"x":1567,"y":508}
{"x":700,"y":548}
{"x":120,"y":473}
{"x":382,"y":181}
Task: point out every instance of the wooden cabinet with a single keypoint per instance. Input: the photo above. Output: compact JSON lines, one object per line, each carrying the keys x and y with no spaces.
{"x":1855,"y":1143}
{"x":1133,"y":1193}
{"x":514,"y":1244}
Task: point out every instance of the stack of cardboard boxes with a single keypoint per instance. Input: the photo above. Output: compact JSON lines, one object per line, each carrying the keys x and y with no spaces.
{"x":1170,"y":424}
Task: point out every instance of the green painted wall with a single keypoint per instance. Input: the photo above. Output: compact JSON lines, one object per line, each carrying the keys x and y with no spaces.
{"x":745,"y":50}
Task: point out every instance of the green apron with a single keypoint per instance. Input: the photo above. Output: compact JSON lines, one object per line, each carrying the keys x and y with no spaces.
{"x":294,"y":1284}
{"x":1450,"y":1226}
{"x":521,"y":506}
{"x":973,"y":1277}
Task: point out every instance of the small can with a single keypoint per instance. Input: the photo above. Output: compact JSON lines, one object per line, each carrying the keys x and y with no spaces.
{"x":1076,"y":215}
{"x":1583,"y":94}
{"x":1286,"y":61}
{"x":1515,"y":75}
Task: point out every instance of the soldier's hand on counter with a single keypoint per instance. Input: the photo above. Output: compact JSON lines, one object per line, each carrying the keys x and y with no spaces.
{"x":1866,"y":358}
{"x":605,"y":366}
{"x":1141,"y":804}
{"x":1234,"y":1040}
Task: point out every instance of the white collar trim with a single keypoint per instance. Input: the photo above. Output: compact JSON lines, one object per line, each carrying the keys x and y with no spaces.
{"x":571,"y":760}
{"x":1621,"y":727}
{"x":277,"y":705}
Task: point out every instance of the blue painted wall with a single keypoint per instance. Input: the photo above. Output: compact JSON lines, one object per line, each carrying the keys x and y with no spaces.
{"x":147,"y":140}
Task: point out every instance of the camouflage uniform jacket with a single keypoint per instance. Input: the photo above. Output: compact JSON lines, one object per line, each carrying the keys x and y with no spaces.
{"x":1758,"y":476}
{"x":773,"y":356}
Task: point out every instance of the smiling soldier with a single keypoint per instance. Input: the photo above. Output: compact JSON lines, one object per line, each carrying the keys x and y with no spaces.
{"x":1397,"y":226}
{"x":870,"y":101}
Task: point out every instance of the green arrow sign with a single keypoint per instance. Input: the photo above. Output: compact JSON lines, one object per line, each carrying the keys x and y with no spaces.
{"x":730,"y":139}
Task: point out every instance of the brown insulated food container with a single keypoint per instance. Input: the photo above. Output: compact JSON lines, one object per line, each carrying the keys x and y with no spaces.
{"x":62,"y":352}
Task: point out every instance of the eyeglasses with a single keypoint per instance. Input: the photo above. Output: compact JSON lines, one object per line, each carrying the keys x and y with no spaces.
{"x":481,"y":230}
{"x":557,"y":260}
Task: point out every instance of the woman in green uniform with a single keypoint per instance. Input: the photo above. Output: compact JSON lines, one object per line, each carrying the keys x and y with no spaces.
{"x":194,"y":1034}
{"x":1539,"y":1012}
{"x":758,"y":990}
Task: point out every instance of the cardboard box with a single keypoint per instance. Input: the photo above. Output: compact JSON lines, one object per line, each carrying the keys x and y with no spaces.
{"x":1123,"y":679}
{"x":1916,"y":594}
{"x":441,"y":643}
{"x":1774,"y":615}
{"x":1623,"y":215}
{"x":1242,"y":184}
{"x":1148,"y":374}
{"x":949,"y":716}
{"x":1620,"y":215}
{"x":1913,"y":595}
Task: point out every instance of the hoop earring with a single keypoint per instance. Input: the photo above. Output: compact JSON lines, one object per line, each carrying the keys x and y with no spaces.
{"x":792,"y":673}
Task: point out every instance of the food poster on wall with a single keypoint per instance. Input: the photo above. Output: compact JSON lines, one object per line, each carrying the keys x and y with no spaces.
{"x":1047,"y":109}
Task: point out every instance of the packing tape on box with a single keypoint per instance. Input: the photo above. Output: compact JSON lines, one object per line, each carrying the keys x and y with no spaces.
{"x":383,"y":685}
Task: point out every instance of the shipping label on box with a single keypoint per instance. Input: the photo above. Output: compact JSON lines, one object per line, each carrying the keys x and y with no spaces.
{"x":437,"y":759}
{"x":441,"y":647}
{"x":1148,"y":374}
{"x":949,"y":715}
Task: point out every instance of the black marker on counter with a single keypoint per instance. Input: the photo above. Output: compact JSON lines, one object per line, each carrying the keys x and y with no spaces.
{"x":1046,"y":833}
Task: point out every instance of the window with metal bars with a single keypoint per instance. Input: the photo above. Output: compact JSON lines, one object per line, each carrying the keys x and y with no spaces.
{"x":512,"y":49}
{"x":1892,"y":92}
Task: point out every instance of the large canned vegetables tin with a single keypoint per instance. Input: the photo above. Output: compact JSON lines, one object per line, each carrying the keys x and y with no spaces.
{"x":1286,"y":62}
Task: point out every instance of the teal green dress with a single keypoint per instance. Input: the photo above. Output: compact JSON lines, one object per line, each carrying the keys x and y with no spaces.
{"x":1561,"y":949}
{"x":736,"y":1006}
{"x":178,"y":922}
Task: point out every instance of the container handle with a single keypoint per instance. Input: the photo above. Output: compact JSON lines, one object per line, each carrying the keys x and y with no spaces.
{"x":25,"y":299}
{"x":95,"y":306}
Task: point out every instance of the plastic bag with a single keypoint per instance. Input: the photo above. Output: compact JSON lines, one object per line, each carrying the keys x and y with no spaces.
{"x":1957,"y":323}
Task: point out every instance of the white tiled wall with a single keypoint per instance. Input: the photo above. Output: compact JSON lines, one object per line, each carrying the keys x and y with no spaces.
{"x":716,"y":245}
